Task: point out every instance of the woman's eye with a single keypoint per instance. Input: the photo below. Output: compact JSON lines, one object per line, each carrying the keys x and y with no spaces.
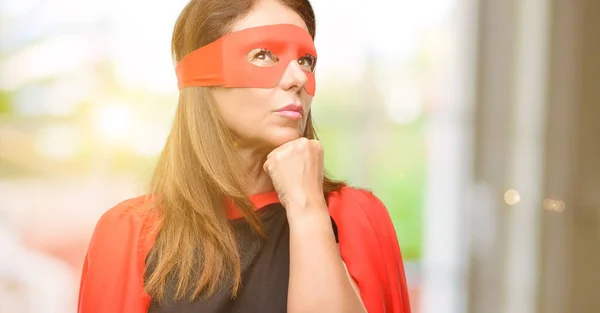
{"x":262,"y":57}
{"x":308,"y":63}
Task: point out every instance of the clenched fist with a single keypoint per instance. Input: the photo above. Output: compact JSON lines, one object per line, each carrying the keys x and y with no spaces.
{"x":296,"y":169}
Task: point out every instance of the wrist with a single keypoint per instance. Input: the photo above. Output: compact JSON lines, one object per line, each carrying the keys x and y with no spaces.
{"x":302,"y":201}
{"x":303,"y":218}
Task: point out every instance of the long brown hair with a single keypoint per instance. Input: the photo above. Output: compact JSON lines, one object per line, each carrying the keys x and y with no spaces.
{"x":199,"y":168}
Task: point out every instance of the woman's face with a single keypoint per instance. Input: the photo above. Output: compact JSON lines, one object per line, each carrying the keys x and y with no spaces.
{"x":254,"y":114}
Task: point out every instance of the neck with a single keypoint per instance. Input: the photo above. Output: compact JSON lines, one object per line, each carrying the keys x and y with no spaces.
{"x":258,"y":181}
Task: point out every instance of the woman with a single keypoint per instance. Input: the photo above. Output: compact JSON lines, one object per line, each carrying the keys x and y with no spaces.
{"x":241,"y":217}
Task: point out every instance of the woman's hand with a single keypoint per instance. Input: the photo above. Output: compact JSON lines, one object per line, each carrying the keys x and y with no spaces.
{"x":319,"y":281}
{"x":296,"y":169}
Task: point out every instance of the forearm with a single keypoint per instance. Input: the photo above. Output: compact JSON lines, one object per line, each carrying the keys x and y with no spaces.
{"x":318,"y":279}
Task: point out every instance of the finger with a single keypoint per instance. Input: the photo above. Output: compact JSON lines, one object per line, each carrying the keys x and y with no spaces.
{"x":302,"y":140}
{"x":300,"y":143}
{"x":291,"y":143}
{"x":270,"y":156}
{"x":280,"y":155}
{"x":267,"y":167}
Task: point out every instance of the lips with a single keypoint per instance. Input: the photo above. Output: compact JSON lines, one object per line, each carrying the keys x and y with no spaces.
{"x":292,"y":108}
{"x":291,"y":111}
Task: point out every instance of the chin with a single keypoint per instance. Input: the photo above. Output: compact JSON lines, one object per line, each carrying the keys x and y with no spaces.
{"x":279,"y":137}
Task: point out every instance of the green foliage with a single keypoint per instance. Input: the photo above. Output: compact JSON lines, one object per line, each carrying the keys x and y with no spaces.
{"x":396,"y":174}
{"x":6,"y":108}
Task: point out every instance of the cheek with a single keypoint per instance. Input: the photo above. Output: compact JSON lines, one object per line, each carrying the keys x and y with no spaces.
{"x":242,"y":109}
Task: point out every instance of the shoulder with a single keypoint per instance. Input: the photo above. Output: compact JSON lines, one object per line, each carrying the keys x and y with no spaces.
{"x":122,"y":224}
{"x":128,"y":210}
{"x":370,"y":249}
{"x":353,"y":202}
{"x":347,"y":193}
{"x":113,"y":269}
{"x":125,"y":214}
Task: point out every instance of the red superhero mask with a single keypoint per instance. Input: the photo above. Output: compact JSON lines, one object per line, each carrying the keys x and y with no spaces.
{"x":253,"y":57}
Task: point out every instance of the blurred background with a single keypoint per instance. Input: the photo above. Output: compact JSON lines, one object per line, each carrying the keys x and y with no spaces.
{"x":475,"y":121}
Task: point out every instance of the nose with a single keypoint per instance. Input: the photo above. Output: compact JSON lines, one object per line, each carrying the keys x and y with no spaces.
{"x":294,"y":78}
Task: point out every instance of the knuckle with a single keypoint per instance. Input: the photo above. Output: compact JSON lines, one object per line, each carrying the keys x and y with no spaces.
{"x":270,"y":157}
{"x":302,"y":141}
{"x":279,"y":155}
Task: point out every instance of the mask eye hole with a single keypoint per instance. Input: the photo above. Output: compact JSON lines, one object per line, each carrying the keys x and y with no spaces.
{"x":308,"y":63}
{"x":262,"y":57}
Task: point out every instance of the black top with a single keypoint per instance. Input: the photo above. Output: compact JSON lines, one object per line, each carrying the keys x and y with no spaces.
{"x":265,"y":272}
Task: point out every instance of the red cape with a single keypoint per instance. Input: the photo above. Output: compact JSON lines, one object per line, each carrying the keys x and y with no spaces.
{"x":113,"y":272}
